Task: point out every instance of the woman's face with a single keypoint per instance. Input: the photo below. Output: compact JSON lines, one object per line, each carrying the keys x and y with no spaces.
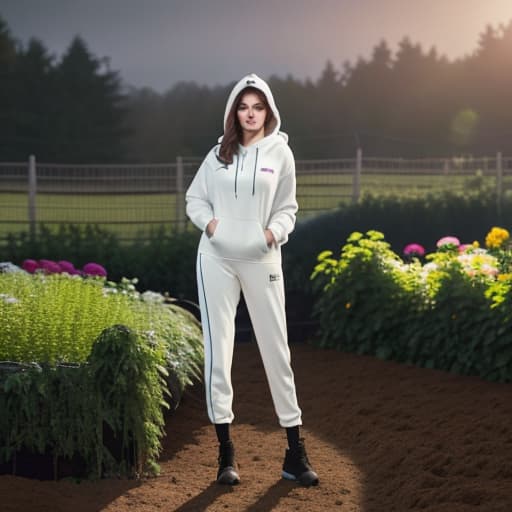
{"x":251,"y":114}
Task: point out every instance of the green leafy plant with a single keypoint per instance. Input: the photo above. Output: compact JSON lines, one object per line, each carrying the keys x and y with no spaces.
{"x":56,"y":318}
{"x":450,"y":313}
{"x":93,"y":362}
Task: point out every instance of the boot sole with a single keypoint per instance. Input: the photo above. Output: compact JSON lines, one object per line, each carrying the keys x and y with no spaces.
{"x":228,"y":477}
{"x":307,"y":480}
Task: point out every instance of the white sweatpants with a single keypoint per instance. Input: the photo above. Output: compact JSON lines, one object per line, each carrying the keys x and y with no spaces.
{"x":219,"y":284}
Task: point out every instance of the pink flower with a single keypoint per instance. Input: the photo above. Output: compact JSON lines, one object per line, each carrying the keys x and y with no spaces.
{"x":67,"y":266}
{"x":448,"y":240}
{"x":49,"y":266}
{"x":414,"y":250}
{"x":94,"y":269}
{"x":30,"y":266}
{"x":465,"y":247}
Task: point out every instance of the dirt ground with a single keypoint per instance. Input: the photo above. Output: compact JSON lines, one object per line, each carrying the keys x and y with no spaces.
{"x":382,"y":436}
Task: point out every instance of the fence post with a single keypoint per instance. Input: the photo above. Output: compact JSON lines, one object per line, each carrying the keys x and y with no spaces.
{"x":499,"y":184}
{"x":32,"y":191}
{"x":180,"y":196}
{"x":356,"y":178}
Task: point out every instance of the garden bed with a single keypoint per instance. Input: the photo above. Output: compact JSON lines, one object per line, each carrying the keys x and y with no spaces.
{"x":103,"y":413}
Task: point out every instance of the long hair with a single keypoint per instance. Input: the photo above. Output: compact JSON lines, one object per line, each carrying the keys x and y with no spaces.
{"x":233,"y":131}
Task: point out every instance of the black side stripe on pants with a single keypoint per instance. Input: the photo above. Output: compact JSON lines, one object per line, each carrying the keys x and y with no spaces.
{"x":209,"y":337}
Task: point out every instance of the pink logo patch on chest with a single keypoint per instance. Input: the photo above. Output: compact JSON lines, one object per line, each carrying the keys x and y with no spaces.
{"x":267,"y":169}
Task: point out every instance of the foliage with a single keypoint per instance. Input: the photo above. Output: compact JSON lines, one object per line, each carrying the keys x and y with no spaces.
{"x":127,"y":377}
{"x":367,"y":268}
{"x":424,"y":104}
{"x":48,"y":410}
{"x":165,"y":262}
{"x":73,"y":109}
{"x":450,"y":313}
{"x":107,"y":410}
{"x":403,"y":220}
{"x":498,"y":243}
{"x":56,"y":318}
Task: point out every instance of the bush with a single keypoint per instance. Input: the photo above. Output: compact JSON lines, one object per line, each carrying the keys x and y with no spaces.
{"x":402,"y":219}
{"x":451,"y":313}
{"x":85,"y":385}
{"x":165,"y":262}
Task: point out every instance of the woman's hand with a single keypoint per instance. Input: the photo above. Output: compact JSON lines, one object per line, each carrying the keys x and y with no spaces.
{"x":211,"y":227}
{"x":269,"y":237}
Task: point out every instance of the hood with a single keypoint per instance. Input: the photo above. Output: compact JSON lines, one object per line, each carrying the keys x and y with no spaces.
{"x":253,"y":80}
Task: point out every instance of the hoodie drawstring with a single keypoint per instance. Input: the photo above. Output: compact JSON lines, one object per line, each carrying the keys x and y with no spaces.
{"x":236,"y":173}
{"x":254,"y":172}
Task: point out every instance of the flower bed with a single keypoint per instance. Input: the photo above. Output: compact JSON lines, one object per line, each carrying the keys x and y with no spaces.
{"x":449,"y":310}
{"x":87,"y":367}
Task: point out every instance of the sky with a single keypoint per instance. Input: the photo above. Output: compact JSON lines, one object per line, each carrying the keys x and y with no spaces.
{"x":157,"y":43}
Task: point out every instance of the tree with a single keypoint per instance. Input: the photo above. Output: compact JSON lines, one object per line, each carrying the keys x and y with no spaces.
{"x":34,"y":98}
{"x":89,"y":116}
{"x":7,"y":91}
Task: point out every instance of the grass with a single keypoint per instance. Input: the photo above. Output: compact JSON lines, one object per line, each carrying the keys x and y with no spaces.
{"x":132,"y":214}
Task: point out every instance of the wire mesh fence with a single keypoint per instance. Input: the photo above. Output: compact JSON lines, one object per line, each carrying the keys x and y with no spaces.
{"x":132,"y":200}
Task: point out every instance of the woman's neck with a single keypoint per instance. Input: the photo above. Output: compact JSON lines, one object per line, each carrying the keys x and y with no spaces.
{"x":250,"y":138}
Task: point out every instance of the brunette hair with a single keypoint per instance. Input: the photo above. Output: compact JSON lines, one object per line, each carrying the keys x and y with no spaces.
{"x":233,"y":131}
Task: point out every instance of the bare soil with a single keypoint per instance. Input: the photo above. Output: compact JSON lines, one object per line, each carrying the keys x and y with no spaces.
{"x":382,"y":436}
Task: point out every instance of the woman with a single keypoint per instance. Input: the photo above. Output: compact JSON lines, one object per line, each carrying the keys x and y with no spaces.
{"x":243,"y":199}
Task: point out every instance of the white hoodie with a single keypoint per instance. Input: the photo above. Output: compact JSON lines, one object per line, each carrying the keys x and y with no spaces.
{"x":255,"y":192}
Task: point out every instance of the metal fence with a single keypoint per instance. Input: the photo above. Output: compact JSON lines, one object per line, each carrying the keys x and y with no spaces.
{"x":134,"y":199}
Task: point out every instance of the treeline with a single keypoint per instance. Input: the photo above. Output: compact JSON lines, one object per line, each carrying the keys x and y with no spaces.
{"x":67,"y":111}
{"x":409,"y":103}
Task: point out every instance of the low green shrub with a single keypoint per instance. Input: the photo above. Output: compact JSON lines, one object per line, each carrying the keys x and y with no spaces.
{"x":451,"y":313}
{"x":56,"y":318}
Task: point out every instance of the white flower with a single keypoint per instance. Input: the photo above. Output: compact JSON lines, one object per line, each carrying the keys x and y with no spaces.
{"x":8,"y":267}
{"x":109,"y":291}
{"x":149,"y":296}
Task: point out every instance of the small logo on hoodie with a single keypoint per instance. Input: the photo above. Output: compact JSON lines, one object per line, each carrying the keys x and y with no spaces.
{"x":249,"y":82}
{"x":267,"y":169}
{"x":274,"y":277}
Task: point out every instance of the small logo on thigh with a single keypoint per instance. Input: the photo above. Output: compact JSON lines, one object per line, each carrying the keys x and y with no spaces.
{"x":267,"y":169}
{"x":274,"y":277}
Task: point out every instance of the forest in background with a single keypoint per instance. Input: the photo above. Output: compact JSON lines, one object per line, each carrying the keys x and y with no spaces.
{"x":408,"y":103}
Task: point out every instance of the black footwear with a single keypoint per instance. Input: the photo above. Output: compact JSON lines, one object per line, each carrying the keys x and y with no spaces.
{"x":297,"y":467}
{"x":228,"y":470}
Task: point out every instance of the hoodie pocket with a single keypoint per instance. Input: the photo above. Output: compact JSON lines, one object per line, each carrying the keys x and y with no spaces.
{"x":239,"y":239}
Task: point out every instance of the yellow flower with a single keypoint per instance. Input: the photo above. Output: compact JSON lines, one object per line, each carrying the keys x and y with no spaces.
{"x":504,"y":277}
{"x":496,"y":238}
{"x":348,"y":305}
{"x":476,"y":244}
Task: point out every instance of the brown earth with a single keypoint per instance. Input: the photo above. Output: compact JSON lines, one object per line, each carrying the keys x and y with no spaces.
{"x":382,"y":436}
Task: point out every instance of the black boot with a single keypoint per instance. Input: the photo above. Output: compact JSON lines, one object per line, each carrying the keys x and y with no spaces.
{"x":297,"y":467}
{"x":228,"y":469}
